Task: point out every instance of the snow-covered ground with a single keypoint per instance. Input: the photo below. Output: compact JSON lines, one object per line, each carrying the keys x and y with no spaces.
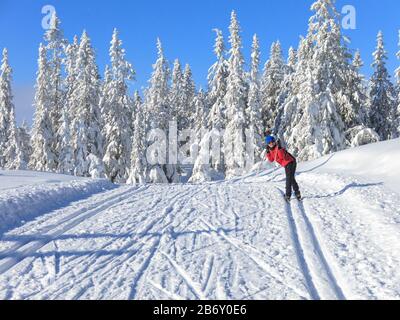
{"x":26,"y":194}
{"x":225,"y":240}
{"x":10,"y":180}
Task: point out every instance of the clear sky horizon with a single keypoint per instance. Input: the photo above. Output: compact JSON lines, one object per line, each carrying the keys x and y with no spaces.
{"x":185,"y":29}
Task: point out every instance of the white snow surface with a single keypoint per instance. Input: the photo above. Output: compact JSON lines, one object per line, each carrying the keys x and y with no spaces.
{"x":379,"y":162}
{"x":10,"y":180}
{"x":236,"y":239}
{"x":26,"y":194}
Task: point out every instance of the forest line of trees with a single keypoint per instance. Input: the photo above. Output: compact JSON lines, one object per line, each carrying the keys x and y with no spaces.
{"x":317,"y":102}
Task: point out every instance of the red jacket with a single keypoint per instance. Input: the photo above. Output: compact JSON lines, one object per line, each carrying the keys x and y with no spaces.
{"x":281,"y":156}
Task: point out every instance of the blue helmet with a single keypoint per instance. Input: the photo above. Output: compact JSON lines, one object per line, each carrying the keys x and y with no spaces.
{"x":269,"y":139}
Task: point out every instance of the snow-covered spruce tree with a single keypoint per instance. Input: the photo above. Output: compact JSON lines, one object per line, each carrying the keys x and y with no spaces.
{"x":398,"y":94}
{"x":43,"y":157}
{"x":138,"y":170}
{"x":64,"y":144}
{"x":6,"y":106}
{"x":11,"y":156}
{"x":285,"y":91}
{"x":350,"y":97}
{"x":24,"y":142}
{"x":176,"y":99}
{"x":382,"y":94}
{"x":358,"y":90}
{"x":272,"y":80}
{"x":355,"y":117}
{"x":116,"y":107}
{"x":331,"y":57}
{"x":254,"y":121}
{"x":234,"y":137}
{"x":291,"y":111}
{"x":291,"y":61}
{"x":71,"y":56}
{"x":66,"y":164}
{"x":157,"y":106}
{"x":320,"y":79}
{"x":188,"y":94}
{"x":10,"y":151}
{"x":14,"y":156}
{"x":199,"y":117}
{"x":86,"y":135}
{"x":55,"y":47}
{"x":217,"y":77}
{"x":136,"y":106}
{"x":201,"y":149}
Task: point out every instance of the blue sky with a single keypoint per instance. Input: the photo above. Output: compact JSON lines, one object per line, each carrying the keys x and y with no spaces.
{"x":185,"y":28}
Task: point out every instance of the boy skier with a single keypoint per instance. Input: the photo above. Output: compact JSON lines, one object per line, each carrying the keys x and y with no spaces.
{"x":275,"y":153}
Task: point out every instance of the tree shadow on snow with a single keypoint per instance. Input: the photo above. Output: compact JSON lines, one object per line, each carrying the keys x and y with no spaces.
{"x":346,"y":188}
{"x":22,"y":240}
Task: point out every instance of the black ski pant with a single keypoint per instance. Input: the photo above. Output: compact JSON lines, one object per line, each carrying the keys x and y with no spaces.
{"x":291,"y":180}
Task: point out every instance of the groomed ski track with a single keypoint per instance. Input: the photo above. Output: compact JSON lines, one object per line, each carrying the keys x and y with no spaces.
{"x":228,"y":240}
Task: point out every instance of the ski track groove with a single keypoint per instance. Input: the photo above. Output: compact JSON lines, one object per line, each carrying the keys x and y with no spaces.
{"x":143,"y":271}
{"x":136,"y":240}
{"x":132,"y":263}
{"x":75,"y":214}
{"x":353,"y":210}
{"x":323,"y":278}
{"x":221,"y":236}
{"x":33,"y":246}
{"x":299,"y":250}
{"x":318,"y":250}
{"x":172,"y":296}
{"x":192,"y":285}
{"x":96,"y":268}
{"x":209,"y":272}
{"x":138,"y":284}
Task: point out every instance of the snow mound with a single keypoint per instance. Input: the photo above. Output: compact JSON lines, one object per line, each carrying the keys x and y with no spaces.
{"x":377,"y":162}
{"x":25,"y":195}
{"x":11,"y":179}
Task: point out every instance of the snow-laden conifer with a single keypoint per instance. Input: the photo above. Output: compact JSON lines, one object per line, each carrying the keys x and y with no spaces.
{"x":188,"y":94}
{"x":314,"y":122}
{"x":398,"y":93}
{"x":382,"y":94}
{"x":42,"y":138}
{"x":254,"y":123}
{"x":217,"y":77}
{"x":116,"y":107}
{"x":234,"y":137}
{"x":272,"y":80}
{"x":176,"y":92}
{"x":55,"y":50}
{"x":138,"y":170}
{"x":86,"y":135}
{"x":6,"y":106}
{"x":25,"y":143}
{"x":158,"y":108}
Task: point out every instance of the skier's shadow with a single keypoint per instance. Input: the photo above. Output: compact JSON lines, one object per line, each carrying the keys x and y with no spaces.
{"x":346,"y":188}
